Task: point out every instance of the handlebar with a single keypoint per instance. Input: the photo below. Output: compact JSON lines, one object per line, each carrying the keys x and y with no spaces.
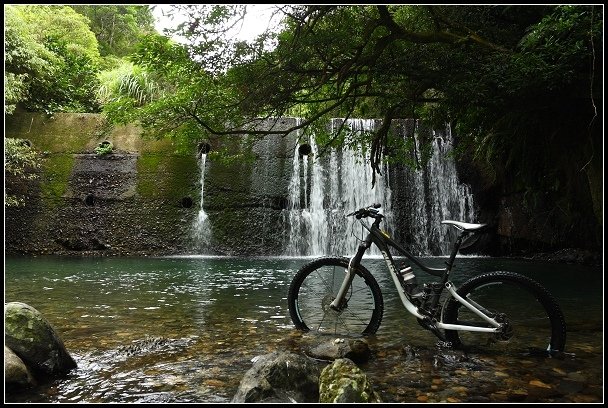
{"x":369,"y":211}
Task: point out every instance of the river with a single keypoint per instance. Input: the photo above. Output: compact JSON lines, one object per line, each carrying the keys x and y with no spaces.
{"x":185,"y":329}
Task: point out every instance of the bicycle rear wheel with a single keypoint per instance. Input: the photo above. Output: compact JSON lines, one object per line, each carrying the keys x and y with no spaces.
{"x":532,"y":319}
{"x":316,"y":285}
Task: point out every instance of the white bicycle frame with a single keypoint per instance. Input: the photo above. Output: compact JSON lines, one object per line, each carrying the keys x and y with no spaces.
{"x":383,"y":241}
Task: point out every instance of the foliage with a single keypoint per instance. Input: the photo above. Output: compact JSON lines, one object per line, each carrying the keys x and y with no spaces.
{"x":126,"y":82}
{"x":14,"y":91}
{"x":71,"y":89}
{"x":182,"y":82}
{"x":20,"y":163}
{"x":63,"y":24}
{"x":104,"y":148}
{"x":51,"y":59}
{"x":529,"y":105}
{"x":117,"y":27}
{"x":24,"y":58}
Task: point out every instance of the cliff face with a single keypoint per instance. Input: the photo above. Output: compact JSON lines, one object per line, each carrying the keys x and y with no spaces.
{"x":144,"y":198}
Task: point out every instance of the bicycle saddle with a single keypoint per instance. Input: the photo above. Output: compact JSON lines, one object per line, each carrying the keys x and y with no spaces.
{"x":465,"y":226}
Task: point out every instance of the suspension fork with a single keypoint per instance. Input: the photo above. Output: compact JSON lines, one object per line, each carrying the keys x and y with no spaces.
{"x":339,"y":302}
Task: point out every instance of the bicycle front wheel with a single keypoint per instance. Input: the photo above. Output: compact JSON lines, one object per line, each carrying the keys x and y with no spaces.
{"x":316,"y":285}
{"x":533,"y":323}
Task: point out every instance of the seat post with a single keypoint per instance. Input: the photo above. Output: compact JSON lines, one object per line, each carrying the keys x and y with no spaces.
{"x":455,"y":249}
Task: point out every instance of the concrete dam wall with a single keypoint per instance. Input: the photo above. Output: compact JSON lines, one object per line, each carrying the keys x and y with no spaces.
{"x":165,"y":197}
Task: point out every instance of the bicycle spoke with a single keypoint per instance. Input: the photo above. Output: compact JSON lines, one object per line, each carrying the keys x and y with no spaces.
{"x":329,"y":286}
{"x":521,"y":306}
{"x":315,"y":289}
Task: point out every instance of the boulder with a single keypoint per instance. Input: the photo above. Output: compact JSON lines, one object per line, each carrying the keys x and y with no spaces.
{"x":31,"y":337}
{"x":16,"y":373}
{"x":344,"y":382}
{"x":280,"y":377}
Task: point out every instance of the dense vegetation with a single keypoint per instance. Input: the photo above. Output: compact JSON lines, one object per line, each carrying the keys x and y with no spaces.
{"x":54,"y":54}
{"x":59,"y":59}
{"x":521,"y":85}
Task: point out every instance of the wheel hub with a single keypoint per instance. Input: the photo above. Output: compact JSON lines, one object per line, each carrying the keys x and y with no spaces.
{"x":506,"y":331}
{"x":326,"y":304}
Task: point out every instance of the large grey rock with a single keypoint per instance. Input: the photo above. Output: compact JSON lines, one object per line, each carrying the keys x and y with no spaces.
{"x":29,"y":335}
{"x":343,"y":382}
{"x":280,"y":377}
{"x":16,"y":373}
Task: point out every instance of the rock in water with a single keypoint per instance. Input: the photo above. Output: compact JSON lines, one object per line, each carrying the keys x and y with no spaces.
{"x":343,"y":382}
{"x":31,"y":337}
{"x":16,"y":373}
{"x":280,"y":377}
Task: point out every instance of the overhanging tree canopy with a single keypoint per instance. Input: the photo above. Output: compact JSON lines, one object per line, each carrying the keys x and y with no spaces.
{"x":520,"y":84}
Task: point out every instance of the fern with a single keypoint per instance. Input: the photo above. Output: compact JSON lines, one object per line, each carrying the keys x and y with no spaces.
{"x":128,"y":80}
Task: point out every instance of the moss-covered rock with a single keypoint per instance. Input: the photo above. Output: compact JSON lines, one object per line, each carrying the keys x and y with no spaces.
{"x":343,"y":382}
{"x":30,"y":336}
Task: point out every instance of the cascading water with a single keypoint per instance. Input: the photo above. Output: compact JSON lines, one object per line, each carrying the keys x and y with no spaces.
{"x":320,"y":198}
{"x":427,"y":196}
{"x":295,"y":202}
{"x":200,"y":228}
{"x":323,"y":187}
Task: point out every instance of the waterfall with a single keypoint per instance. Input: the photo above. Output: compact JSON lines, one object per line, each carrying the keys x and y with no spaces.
{"x":325,"y":185}
{"x":429,"y":195}
{"x":322,"y":190}
{"x":294,"y":202}
{"x":201,"y":231}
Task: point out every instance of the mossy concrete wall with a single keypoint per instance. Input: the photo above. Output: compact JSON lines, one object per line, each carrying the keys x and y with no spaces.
{"x":143,"y":198}
{"x":246,"y":198}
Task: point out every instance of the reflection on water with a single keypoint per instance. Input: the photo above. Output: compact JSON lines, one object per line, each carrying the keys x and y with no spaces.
{"x":185,"y":329}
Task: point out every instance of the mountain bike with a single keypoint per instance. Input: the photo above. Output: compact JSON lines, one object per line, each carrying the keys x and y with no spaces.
{"x":501,"y":310}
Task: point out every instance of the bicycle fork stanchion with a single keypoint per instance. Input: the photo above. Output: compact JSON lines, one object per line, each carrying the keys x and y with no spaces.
{"x":338,"y":302}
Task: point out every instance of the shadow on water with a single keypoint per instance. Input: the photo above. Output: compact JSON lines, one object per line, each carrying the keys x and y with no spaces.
{"x":185,"y":329}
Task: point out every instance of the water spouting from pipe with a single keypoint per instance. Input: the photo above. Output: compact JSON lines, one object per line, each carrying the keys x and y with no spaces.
{"x":201,"y":230}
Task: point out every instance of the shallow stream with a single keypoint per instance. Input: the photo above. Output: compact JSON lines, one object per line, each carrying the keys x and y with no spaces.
{"x":185,"y":329}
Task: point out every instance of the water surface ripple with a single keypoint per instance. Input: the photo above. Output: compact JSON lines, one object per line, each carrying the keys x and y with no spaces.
{"x":185,"y":329}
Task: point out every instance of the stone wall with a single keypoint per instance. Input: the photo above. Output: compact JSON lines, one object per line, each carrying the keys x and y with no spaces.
{"x":126,"y":203}
{"x":142,"y":198}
